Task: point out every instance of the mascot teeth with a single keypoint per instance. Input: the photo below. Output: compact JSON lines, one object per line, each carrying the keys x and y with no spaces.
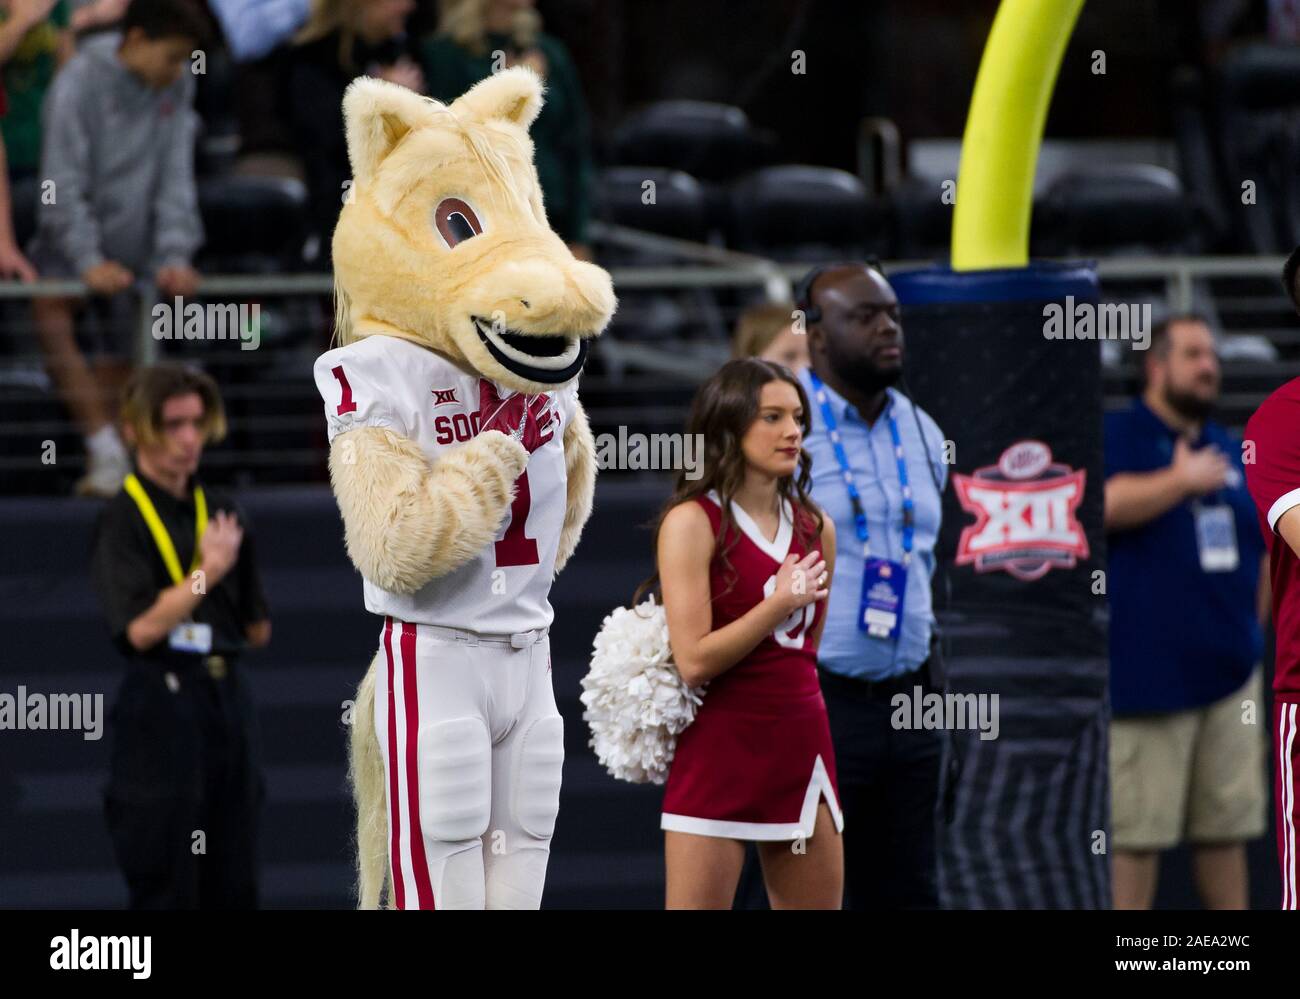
{"x":538,"y":357}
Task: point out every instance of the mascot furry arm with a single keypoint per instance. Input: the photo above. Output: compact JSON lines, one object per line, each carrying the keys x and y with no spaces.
{"x":406,"y":521}
{"x":444,"y":263}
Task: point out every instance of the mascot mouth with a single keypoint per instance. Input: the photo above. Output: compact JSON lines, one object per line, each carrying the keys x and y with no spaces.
{"x":547,"y":358}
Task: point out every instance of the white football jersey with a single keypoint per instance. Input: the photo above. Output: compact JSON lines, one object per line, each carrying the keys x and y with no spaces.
{"x":384,"y":381}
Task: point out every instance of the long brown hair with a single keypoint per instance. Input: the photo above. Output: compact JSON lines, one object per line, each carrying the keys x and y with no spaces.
{"x":150,"y":387}
{"x":722,"y":412}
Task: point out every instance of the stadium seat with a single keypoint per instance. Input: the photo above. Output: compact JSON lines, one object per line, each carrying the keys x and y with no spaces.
{"x":1131,"y":208}
{"x":920,"y":220}
{"x":252,"y":224}
{"x":707,"y":140}
{"x":806,"y":214}
{"x":678,"y":208}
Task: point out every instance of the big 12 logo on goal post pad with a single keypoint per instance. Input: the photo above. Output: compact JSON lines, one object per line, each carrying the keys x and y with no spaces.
{"x":1025,"y":511}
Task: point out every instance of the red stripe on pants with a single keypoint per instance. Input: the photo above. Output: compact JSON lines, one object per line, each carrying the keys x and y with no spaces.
{"x":394,"y":802}
{"x":411,"y":697}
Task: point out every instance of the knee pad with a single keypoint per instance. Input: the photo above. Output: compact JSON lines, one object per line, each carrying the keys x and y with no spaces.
{"x":455,"y":779}
{"x":537,"y":779}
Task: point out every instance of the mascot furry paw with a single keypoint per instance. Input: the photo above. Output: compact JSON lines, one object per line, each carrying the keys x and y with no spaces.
{"x":463,"y":467}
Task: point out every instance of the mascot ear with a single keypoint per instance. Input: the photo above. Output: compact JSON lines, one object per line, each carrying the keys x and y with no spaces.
{"x":513,"y":94}
{"x":376,"y":115}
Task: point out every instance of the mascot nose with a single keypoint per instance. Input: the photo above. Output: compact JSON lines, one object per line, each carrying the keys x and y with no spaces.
{"x":579,"y":294}
{"x":596,"y":288}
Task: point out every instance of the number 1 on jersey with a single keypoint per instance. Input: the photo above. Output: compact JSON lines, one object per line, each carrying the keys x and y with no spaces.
{"x":515,"y":548}
{"x":346,"y":405}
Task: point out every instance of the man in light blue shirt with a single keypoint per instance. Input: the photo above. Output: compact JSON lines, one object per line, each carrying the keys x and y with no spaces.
{"x":846,"y":649}
{"x":892,"y":493}
{"x":254,"y":27}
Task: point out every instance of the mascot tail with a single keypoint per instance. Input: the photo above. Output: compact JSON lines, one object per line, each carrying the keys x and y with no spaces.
{"x":366,"y":774}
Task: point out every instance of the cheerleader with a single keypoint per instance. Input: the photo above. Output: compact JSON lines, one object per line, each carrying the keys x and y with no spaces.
{"x":744,"y":560}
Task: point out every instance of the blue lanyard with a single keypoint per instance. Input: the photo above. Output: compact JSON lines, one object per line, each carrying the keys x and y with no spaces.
{"x":859,"y":516}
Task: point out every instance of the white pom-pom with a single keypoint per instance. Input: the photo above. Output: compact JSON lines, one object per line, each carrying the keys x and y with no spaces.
{"x":637,"y":703}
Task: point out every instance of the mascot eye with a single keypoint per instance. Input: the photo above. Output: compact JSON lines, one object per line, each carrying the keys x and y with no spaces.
{"x":455,"y":221}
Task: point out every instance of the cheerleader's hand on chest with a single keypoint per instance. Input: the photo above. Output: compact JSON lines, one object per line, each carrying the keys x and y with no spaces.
{"x":796,"y":588}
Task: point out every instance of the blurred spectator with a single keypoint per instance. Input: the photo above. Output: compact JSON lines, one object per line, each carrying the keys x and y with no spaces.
{"x":34,"y":42}
{"x":767,"y":331}
{"x":119,"y":132}
{"x":477,"y":37}
{"x":264,"y":113}
{"x":1284,"y":21}
{"x":254,"y":27}
{"x":1225,"y":23}
{"x":1186,"y":598}
{"x":176,"y":576}
{"x":12,"y":261}
{"x":343,"y":39}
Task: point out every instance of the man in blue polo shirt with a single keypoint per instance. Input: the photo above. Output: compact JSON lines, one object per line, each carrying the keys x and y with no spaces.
{"x":1187,"y":744}
{"x":878,"y":473}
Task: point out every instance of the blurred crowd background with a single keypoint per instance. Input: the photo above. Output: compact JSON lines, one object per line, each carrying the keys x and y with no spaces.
{"x":790,"y":131}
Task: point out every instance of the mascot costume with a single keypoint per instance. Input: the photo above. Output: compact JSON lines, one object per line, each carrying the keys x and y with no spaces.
{"x":464,"y":467}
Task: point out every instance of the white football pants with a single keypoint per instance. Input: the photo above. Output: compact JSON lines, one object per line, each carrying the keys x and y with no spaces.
{"x":473,"y":747}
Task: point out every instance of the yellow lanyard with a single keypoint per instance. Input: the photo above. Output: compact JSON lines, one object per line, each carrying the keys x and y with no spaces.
{"x":160,"y":536}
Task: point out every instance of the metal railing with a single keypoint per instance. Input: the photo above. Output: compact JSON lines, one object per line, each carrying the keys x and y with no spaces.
{"x":704,"y":266}
{"x":630,"y":360}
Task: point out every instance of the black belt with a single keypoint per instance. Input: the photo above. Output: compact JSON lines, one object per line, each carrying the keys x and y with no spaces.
{"x":873,"y":690}
{"x":217,"y":665}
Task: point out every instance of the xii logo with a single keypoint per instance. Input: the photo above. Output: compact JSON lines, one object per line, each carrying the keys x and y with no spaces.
{"x":1025,"y":514}
{"x":441,"y":396}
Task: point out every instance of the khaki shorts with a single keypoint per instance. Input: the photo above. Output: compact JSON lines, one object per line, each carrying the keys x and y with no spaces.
{"x":1196,"y":776}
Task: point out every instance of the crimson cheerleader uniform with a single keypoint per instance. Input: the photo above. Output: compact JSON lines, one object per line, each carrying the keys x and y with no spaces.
{"x":758,"y":756}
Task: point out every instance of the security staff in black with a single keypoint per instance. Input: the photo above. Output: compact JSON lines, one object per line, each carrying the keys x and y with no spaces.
{"x":174,"y":569}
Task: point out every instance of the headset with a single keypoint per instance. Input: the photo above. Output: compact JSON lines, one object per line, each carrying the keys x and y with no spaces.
{"x":803,"y":290}
{"x":803,"y":299}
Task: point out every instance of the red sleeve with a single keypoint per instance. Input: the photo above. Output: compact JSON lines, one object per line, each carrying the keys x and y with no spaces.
{"x":1273,"y":469}
{"x":4,"y":99}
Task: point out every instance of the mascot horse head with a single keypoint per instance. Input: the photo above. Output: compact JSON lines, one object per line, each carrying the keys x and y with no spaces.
{"x":443,"y":238}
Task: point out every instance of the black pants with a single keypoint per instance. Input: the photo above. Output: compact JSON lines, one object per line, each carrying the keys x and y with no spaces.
{"x":185,"y":790}
{"x":889,"y":790}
